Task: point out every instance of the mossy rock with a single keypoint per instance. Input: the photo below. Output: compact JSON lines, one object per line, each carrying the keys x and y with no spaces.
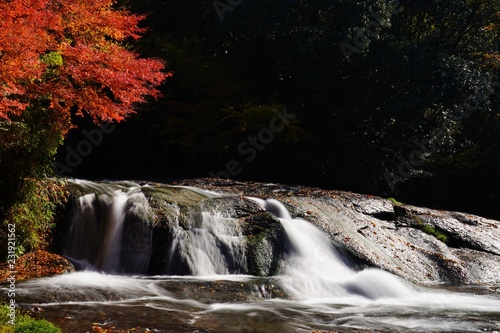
{"x":265,"y":243}
{"x":170,"y":194}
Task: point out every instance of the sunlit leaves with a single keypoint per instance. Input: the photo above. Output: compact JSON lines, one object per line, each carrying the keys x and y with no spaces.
{"x":72,"y":54}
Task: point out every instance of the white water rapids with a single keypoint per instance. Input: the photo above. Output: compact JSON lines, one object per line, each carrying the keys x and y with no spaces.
{"x":314,"y":269}
{"x":315,"y":288}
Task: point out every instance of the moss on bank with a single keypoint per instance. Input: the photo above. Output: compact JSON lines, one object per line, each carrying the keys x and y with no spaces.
{"x":430,"y":230}
{"x":23,"y":323}
{"x":395,"y":202}
{"x":434,"y":232}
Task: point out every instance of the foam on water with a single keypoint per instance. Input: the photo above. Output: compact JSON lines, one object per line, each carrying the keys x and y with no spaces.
{"x":423,"y":311}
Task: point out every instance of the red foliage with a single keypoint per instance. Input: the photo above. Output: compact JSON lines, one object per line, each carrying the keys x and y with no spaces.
{"x":97,"y":74}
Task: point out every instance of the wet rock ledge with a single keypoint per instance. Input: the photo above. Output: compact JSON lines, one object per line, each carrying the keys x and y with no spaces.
{"x":423,"y":245}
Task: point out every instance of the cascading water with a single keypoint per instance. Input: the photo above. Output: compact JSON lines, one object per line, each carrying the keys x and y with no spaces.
{"x":112,"y":245}
{"x":97,"y":228}
{"x":212,"y":245}
{"x":314,"y":269}
{"x":111,"y":230}
{"x":115,"y":222}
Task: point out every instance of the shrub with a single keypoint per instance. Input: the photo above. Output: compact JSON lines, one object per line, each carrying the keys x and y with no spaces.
{"x":24,"y":323}
{"x":33,"y":212}
{"x":37,"y":326}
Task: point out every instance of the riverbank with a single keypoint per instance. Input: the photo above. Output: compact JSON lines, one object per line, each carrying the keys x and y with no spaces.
{"x":40,"y":263}
{"x":210,"y":255}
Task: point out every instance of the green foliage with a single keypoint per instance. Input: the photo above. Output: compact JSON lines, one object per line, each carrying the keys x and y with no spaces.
{"x":28,"y":145}
{"x":53,"y":59}
{"x":4,"y":318}
{"x":242,"y":121}
{"x":33,"y":212}
{"x":37,"y":326}
{"x":24,"y":323}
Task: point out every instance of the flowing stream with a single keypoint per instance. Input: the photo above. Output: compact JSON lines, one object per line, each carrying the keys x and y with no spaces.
{"x":315,"y":289}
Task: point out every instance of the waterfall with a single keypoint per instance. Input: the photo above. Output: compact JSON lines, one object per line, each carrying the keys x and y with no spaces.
{"x":314,"y":269}
{"x":180,"y":257}
{"x":108,"y":230}
{"x":111,"y":251}
{"x":212,"y":245}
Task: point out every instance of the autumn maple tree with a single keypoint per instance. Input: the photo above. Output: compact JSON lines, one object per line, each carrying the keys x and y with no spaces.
{"x":60,"y":59}
{"x":71,"y":56}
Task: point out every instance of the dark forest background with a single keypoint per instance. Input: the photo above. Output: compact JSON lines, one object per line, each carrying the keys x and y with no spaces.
{"x":416,"y":70}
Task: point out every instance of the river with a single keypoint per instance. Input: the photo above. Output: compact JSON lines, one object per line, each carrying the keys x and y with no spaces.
{"x":315,"y":288}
